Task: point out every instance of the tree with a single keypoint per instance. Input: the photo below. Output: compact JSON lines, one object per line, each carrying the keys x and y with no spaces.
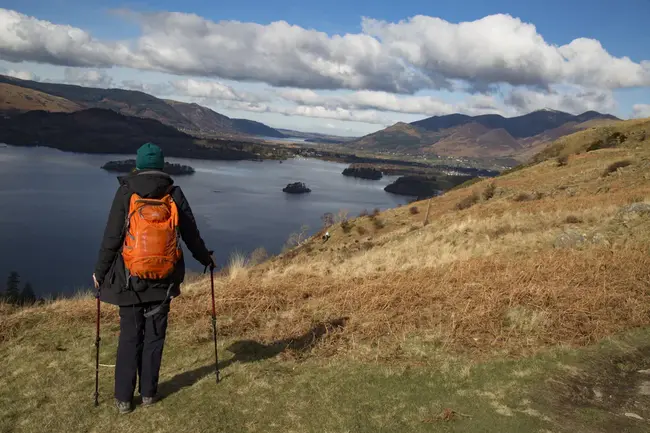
{"x":328,"y":219}
{"x":27,"y":296}
{"x":12,"y":292}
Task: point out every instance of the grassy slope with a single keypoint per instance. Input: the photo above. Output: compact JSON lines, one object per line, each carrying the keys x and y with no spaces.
{"x":23,"y":99}
{"x":490,"y":311}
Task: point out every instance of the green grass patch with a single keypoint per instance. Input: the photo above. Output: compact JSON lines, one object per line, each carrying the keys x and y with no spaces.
{"x":47,"y":383}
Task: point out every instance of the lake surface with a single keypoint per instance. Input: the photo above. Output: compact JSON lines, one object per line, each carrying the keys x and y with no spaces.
{"x":55,"y":205}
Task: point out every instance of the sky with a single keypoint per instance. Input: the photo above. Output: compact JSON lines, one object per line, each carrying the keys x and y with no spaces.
{"x":343,"y":67}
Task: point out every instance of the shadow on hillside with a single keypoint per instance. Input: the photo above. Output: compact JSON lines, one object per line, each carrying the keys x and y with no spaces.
{"x":251,"y":351}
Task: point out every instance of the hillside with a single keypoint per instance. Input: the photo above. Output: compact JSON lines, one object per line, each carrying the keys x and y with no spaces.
{"x":191,"y":118}
{"x":203,"y":118}
{"x":252,"y":127}
{"x":98,"y":130}
{"x":534,"y":145}
{"x":127,"y":102}
{"x":20,"y":99}
{"x":209,"y":121}
{"x":397,"y":138}
{"x":476,"y":141}
{"x":486,"y":136}
{"x":522,"y":306}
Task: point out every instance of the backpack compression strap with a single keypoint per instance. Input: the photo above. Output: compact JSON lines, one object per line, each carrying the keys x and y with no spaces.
{"x":159,"y":307}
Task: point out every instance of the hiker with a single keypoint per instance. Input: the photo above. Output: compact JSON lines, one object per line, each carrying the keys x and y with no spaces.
{"x":140,"y":268}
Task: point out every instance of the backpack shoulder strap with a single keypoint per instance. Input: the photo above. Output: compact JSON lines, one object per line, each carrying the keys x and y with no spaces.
{"x":171,"y":190}
{"x":127,"y":209}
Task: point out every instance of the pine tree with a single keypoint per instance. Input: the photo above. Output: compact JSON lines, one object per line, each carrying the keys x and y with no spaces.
{"x":27,"y":296}
{"x":12,"y":292}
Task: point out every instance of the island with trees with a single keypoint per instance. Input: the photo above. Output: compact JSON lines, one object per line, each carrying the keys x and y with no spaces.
{"x":363,"y":172}
{"x":128,"y":165}
{"x":296,"y":188}
{"x":425,"y":186}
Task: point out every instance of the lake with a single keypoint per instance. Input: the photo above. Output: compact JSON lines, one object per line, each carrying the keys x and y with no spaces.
{"x":55,"y":205}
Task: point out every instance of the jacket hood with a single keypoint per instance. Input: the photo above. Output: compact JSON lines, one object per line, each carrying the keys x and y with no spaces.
{"x":147,"y":184}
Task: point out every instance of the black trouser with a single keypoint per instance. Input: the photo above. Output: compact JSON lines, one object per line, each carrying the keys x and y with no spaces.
{"x":139,"y":350}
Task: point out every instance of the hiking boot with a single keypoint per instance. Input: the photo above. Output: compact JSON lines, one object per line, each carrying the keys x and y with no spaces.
{"x":148,"y":401}
{"x":123,"y":406}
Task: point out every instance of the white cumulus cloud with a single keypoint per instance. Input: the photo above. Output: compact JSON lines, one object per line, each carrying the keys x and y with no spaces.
{"x":388,"y":102}
{"x":319,"y":112}
{"x":214,"y":90}
{"x":574,"y":100}
{"x":402,"y":57}
{"x":641,"y":110}
{"x":87,"y":77}
{"x":25,"y":38}
{"x":382,"y":101}
{"x":503,"y":49}
{"x":22,"y":75}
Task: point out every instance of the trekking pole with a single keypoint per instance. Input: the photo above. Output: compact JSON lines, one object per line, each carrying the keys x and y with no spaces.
{"x":214,"y":325}
{"x":97,"y":354}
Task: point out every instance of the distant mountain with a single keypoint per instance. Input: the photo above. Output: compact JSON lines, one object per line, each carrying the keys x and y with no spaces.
{"x":476,"y":141}
{"x":252,"y":127}
{"x":527,"y":125}
{"x":127,"y":102}
{"x":191,"y":118}
{"x":201,"y":117}
{"x":400,"y":137}
{"x":485,"y":136}
{"x":209,"y":121}
{"x":98,"y":130}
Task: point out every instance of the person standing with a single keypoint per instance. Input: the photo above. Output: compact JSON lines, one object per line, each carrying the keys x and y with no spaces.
{"x":140,"y":268}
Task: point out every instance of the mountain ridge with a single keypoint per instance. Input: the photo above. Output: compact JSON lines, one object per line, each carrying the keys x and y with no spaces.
{"x":484,"y":136}
{"x":105,"y":131}
{"x":186,"y":117}
{"x":526,"y":125}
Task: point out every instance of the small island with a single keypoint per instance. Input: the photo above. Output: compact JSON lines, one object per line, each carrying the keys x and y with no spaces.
{"x":296,"y":188}
{"x":417,"y":186}
{"x":128,"y":165}
{"x":424,"y":187}
{"x":361,"y":172}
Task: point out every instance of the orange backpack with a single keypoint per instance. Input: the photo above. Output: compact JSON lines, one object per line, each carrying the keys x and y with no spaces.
{"x":151,"y":242}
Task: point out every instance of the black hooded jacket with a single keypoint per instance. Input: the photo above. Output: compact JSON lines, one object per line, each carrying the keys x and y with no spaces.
{"x":110,"y":271}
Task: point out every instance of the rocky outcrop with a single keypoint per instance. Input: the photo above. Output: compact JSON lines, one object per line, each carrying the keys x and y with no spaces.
{"x":575,"y":239}
{"x":636,"y":209}
{"x":296,"y":188}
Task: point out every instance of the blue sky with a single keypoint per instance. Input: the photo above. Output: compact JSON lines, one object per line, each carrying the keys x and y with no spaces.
{"x":621,"y":27}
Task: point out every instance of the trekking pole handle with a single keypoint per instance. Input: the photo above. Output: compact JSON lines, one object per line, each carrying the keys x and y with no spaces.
{"x":212,"y":264}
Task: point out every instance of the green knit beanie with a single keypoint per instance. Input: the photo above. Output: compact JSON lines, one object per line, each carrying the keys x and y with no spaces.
{"x":150,"y":157}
